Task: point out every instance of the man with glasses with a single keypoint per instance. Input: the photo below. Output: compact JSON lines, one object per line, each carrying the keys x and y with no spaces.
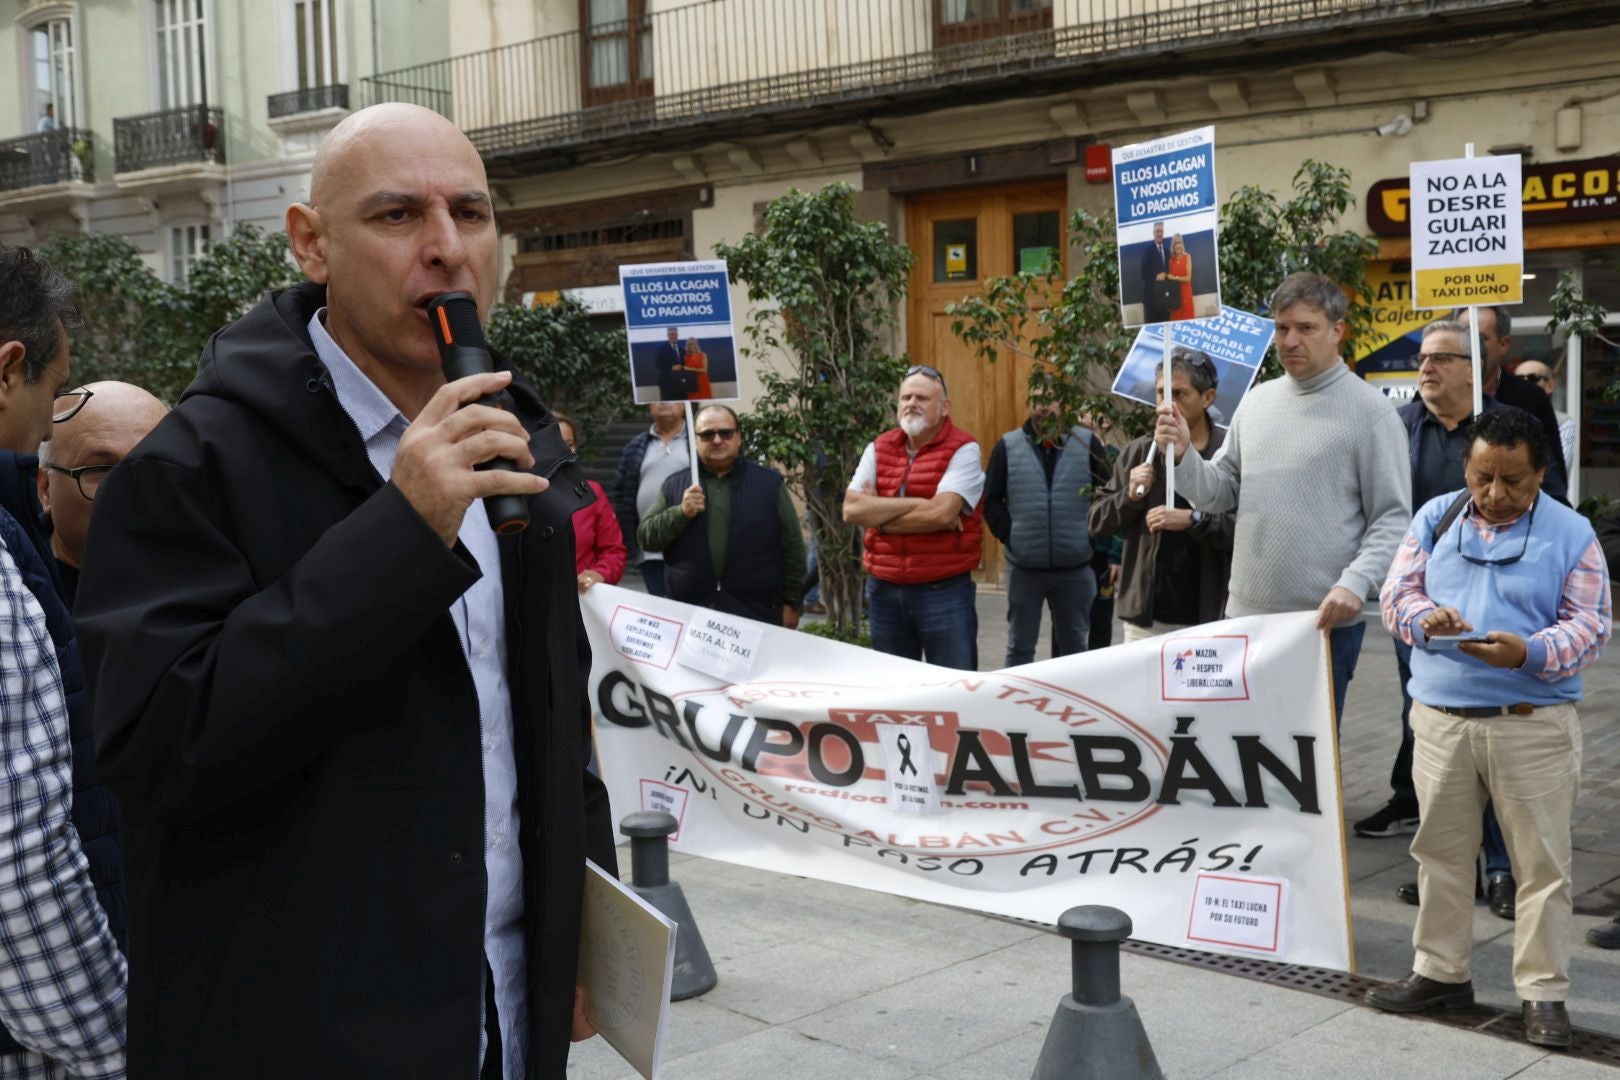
{"x":1541,"y":376}
{"x":1502,"y":594}
{"x":918,"y":491}
{"x":62,"y":973}
{"x":731,"y":541}
{"x":1438,"y":428}
{"x":82,"y":450}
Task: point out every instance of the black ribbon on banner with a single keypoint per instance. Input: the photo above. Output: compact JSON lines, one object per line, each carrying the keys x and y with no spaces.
{"x":905,"y":755}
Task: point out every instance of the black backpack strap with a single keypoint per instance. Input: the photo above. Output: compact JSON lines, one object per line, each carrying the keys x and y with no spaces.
{"x":1449,"y":516}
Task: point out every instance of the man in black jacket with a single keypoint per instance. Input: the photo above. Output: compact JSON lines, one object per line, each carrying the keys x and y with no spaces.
{"x":348,"y":721}
{"x":731,"y":542}
{"x":1495,"y":340}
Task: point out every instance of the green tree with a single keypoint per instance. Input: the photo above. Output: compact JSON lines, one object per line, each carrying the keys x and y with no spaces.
{"x":1573,"y":314}
{"x":141,"y":329}
{"x":1078,"y":341}
{"x":824,"y":288}
{"x":578,"y":369}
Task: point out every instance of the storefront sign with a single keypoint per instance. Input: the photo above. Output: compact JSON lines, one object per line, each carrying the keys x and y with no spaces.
{"x":1189,"y":779}
{"x":1561,"y":191}
{"x":1467,"y":232}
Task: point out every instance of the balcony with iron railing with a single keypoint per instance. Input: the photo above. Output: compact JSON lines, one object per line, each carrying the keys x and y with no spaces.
{"x":308,"y":100}
{"x":711,"y":68}
{"x":190,"y":134}
{"x":47,"y":157}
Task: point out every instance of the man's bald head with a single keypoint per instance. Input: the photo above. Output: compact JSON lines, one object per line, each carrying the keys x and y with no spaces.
{"x":391,"y":123}
{"x":399,"y":213}
{"x":116,"y":417}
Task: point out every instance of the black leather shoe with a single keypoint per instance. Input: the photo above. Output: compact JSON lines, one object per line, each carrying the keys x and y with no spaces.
{"x":1546,"y":1023}
{"x":1501,"y":893}
{"x":1606,"y":936}
{"x":1408,"y":892}
{"x":1416,"y":993}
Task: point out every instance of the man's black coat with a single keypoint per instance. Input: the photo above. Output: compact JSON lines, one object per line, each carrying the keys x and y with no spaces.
{"x":281,"y":700}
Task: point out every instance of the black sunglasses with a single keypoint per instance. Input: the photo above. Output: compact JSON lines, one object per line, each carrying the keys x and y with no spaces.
{"x":1481,"y":561}
{"x":930,"y":372}
{"x":719,"y":434}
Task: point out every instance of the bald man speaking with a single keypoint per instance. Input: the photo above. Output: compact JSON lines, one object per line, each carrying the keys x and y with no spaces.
{"x":347,"y":720}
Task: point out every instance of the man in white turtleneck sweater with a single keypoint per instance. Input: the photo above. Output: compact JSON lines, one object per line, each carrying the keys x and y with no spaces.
{"x":1322,"y":463}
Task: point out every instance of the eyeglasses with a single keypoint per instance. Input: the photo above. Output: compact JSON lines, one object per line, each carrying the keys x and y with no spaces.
{"x":67,"y":403}
{"x":87,"y":477}
{"x":719,"y":434}
{"x":929,"y":371}
{"x":1544,"y":380}
{"x":1442,"y":357}
{"x":1482,"y":561}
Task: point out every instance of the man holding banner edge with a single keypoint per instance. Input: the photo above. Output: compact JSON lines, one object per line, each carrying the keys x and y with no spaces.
{"x":1322,"y":427}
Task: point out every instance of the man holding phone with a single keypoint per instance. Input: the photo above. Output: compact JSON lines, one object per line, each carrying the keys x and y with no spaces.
{"x":1495,"y":719}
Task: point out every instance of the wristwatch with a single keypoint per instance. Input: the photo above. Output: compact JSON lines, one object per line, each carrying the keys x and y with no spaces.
{"x":1197,"y":517}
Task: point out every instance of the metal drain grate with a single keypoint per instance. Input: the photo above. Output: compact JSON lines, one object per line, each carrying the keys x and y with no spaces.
{"x":1587,"y":1046}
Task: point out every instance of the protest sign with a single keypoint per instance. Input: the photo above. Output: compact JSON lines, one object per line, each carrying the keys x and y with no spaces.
{"x":1386,"y":357}
{"x":1115,"y":777}
{"x":1164,"y":194}
{"x":1236,"y":342}
{"x":1467,"y":232}
{"x":678,"y":322}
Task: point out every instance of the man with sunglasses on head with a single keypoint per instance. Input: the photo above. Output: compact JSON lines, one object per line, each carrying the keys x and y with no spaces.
{"x":918,"y":491}
{"x":1438,"y":423}
{"x":63,"y":978}
{"x":1502,"y":594}
{"x":746,"y":554}
{"x":80,"y":453}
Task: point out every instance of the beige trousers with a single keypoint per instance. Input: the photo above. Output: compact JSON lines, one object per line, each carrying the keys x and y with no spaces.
{"x":1142,"y":633}
{"x":1530,"y":766}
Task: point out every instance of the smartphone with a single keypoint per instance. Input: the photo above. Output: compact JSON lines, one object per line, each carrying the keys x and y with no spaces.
{"x":1451,"y":641}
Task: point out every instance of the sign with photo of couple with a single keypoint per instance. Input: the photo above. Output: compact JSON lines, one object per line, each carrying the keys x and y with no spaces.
{"x":1190,"y":779}
{"x":678,"y":323}
{"x":1235,"y":343}
{"x":1167,"y":219}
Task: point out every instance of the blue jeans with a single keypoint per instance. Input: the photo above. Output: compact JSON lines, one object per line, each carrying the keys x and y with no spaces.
{"x":652,"y":576}
{"x":936,"y":621}
{"x":1068,"y":593}
{"x":1344,"y":647}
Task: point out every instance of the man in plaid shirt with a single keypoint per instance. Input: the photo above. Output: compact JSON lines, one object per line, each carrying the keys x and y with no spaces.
{"x":1503,"y":595}
{"x":62,"y":976}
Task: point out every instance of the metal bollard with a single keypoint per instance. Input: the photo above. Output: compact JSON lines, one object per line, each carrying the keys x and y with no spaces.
{"x":649,"y":832}
{"x":1096,"y":1033}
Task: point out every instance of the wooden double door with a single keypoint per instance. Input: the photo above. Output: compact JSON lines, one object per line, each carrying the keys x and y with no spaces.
{"x":962,"y":239}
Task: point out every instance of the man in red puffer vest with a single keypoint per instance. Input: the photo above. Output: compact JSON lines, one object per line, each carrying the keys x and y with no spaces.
{"x":918,"y":491}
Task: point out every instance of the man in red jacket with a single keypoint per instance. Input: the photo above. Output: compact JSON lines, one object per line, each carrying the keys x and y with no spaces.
{"x":918,"y":491}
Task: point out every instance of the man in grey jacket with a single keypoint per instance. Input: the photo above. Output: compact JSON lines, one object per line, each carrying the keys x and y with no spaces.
{"x":1321,"y":460}
{"x":1037,"y":493}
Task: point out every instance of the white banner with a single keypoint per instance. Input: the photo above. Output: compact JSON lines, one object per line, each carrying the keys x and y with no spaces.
{"x":1189,"y":780}
{"x":1467,"y":232}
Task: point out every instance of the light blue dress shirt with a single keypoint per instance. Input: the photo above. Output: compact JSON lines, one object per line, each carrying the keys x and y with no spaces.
{"x":480,"y":621}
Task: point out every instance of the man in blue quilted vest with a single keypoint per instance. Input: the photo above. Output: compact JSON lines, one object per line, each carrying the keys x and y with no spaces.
{"x":1037,"y":495}
{"x":63,"y":979}
{"x":1503,"y":595}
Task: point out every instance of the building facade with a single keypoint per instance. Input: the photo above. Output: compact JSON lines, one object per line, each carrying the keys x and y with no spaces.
{"x":171,"y":121}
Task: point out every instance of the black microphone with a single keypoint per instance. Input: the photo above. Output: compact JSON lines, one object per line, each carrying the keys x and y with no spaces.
{"x":463,"y":351}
